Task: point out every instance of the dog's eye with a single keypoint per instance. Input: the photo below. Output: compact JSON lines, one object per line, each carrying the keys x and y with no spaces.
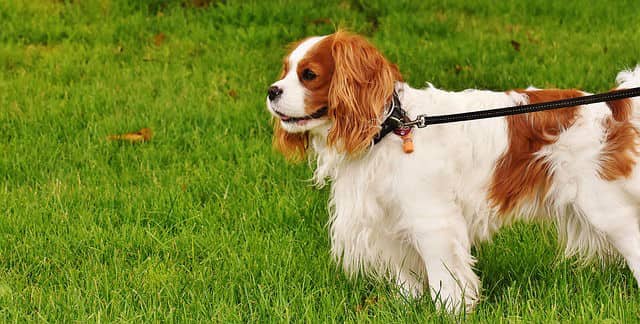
{"x":308,"y":75}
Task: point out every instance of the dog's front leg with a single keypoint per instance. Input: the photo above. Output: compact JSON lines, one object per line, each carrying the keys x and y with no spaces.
{"x":442,"y":241}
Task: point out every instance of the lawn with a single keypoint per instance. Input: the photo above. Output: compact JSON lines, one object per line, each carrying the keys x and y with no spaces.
{"x":205,"y":221}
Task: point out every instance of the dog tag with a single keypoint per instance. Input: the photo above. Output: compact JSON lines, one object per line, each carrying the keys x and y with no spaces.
{"x":407,"y":142}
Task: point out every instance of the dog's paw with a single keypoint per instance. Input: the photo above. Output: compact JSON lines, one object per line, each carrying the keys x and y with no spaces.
{"x":410,"y":289}
{"x":455,"y":297}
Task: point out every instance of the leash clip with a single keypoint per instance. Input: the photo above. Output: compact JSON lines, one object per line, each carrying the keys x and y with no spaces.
{"x":420,"y":122}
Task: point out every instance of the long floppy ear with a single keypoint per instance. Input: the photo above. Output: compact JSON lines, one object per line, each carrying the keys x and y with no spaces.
{"x":292,"y":145}
{"x":361,"y":86}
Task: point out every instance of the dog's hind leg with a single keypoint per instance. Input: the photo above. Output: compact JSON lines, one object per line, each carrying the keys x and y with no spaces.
{"x":606,"y":207}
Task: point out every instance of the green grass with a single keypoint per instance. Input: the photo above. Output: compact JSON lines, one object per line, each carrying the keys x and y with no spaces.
{"x":206,"y":221}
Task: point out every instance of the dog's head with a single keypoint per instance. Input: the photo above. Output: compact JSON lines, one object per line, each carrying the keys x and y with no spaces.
{"x":340,"y":82}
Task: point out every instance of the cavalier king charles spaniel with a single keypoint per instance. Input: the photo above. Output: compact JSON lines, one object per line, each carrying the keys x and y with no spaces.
{"x":412,"y":218}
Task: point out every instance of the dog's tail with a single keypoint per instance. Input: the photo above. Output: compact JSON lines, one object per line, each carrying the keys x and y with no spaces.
{"x":625,"y":108}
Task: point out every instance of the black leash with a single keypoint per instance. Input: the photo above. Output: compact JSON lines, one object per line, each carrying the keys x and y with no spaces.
{"x":422,"y":121}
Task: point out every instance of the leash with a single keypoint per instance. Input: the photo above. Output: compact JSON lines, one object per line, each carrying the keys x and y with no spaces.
{"x":397,"y":121}
{"x":423,"y":121}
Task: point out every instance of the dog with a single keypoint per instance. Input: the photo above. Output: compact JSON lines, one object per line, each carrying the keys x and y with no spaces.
{"x":412,"y":218}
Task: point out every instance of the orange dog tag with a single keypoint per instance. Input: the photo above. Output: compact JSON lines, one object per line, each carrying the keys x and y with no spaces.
{"x":407,"y":142}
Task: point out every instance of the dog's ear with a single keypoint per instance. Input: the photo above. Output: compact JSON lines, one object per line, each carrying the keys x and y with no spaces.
{"x":362,"y":84}
{"x":292,"y":145}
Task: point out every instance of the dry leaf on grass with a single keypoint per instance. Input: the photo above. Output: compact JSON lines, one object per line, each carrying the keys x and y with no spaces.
{"x":320,"y":21}
{"x":143,"y":135}
{"x":516,"y":45}
{"x":201,"y":3}
{"x":159,"y":38}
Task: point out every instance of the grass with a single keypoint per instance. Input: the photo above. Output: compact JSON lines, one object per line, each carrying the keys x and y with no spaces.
{"x":207,"y":222}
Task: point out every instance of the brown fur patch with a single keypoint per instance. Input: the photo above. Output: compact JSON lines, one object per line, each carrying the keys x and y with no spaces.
{"x":320,"y":61}
{"x":519,"y":176}
{"x":620,"y":152}
{"x":620,"y":109}
{"x":292,"y":145}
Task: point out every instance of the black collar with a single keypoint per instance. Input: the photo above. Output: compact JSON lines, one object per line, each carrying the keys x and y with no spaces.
{"x":395,"y":115}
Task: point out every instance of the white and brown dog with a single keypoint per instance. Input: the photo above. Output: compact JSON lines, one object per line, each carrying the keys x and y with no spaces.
{"x":412,"y":218}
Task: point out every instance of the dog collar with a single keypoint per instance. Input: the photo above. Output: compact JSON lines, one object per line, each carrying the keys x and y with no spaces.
{"x":394,"y":117}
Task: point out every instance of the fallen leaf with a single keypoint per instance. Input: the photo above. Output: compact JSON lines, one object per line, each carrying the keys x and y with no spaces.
{"x":200,"y":3}
{"x":159,"y":38}
{"x":516,"y":45}
{"x":143,"y":135}
{"x":319,"y":21}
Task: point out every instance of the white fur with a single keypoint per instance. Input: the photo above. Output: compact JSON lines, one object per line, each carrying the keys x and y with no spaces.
{"x":412,"y":218}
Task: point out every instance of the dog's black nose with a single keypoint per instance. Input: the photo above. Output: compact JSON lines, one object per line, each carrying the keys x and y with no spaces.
{"x":274,"y":92}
